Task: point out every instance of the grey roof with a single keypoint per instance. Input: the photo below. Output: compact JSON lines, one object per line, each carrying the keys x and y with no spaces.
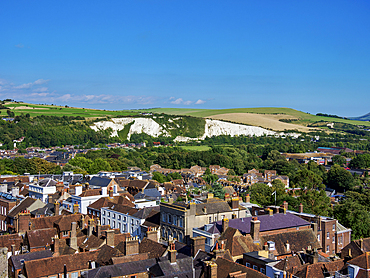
{"x":268,"y":223}
{"x":19,"y":260}
{"x":47,"y":182}
{"x":120,"y":269}
{"x":166,"y":269}
{"x":150,"y":193}
{"x":212,"y":207}
{"x":143,"y":213}
{"x":99,"y":181}
{"x":24,"y":205}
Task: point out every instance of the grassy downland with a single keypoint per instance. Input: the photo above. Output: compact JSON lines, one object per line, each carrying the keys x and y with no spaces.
{"x":53,"y":110}
{"x":303,"y":119}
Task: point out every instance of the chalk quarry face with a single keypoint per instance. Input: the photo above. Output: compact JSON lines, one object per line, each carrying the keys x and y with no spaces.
{"x":152,"y":128}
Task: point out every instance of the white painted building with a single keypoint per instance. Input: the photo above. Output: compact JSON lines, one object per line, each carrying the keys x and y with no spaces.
{"x":41,"y":192}
{"x":124,"y":218}
{"x":84,"y":199}
{"x":144,"y":203}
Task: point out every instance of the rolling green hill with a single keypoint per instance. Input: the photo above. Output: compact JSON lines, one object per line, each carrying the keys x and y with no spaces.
{"x":362,"y":118}
{"x":302,"y":118}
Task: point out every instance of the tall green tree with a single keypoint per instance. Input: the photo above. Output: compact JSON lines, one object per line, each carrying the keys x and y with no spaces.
{"x":339,"y":179}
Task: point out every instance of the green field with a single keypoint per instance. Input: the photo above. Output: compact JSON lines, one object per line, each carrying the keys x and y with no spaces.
{"x":53,"y":110}
{"x":196,"y":148}
{"x":304,"y":118}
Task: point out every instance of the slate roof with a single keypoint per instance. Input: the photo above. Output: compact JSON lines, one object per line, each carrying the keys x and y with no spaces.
{"x":47,"y":210}
{"x":119,"y":270}
{"x":148,"y":193}
{"x":16,"y":260}
{"x":40,"y":238}
{"x":47,"y":182}
{"x":145,"y":212}
{"x":153,"y":219}
{"x":180,"y":268}
{"x":275,"y":222}
{"x":100,"y":181}
{"x":54,"y":265}
{"x":24,"y":205}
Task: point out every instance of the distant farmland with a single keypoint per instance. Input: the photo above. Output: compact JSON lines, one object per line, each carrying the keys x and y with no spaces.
{"x":267,"y":117}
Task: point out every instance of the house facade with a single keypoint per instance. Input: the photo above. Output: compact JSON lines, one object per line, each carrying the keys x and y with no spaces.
{"x":179,"y":219}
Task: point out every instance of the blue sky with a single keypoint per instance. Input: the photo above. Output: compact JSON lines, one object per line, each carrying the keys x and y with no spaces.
{"x":313,"y":56}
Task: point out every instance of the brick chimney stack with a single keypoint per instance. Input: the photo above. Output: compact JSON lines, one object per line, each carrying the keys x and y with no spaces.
{"x":110,"y":238}
{"x":56,"y":246}
{"x":300,"y":208}
{"x":24,"y":221}
{"x":193,"y":207}
{"x":247,"y":198}
{"x":314,"y":228}
{"x":152,"y":234}
{"x":285,"y":204}
{"x":197,"y":243}
{"x":210,"y":269}
{"x":90,"y":227}
{"x":219,"y":250}
{"x":225,"y":224}
{"x":172,"y":253}
{"x":255,"y":229}
{"x":98,"y":229}
{"x":56,"y":208}
{"x":73,"y":239}
{"x":235,"y":203}
{"x":271,"y":212}
{"x":131,"y":246}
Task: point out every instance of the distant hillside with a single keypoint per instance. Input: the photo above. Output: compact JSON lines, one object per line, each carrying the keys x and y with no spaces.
{"x":182,"y":128}
{"x":275,"y":118}
{"x":361,"y":118}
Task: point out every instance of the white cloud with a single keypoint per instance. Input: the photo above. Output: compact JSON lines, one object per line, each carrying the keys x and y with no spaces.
{"x":24,"y":86}
{"x":199,"y":101}
{"x":177,"y":101}
{"x":31,"y":84}
{"x":41,"y":81}
{"x":42,"y":89}
{"x":40,"y":94}
{"x":19,"y":45}
{"x":188,"y":102}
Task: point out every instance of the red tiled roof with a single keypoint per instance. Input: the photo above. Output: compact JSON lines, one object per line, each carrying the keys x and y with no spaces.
{"x":51,"y":266}
{"x":40,"y":238}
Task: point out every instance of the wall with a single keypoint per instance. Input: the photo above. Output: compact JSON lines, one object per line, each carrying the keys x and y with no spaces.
{"x":3,"y":262}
